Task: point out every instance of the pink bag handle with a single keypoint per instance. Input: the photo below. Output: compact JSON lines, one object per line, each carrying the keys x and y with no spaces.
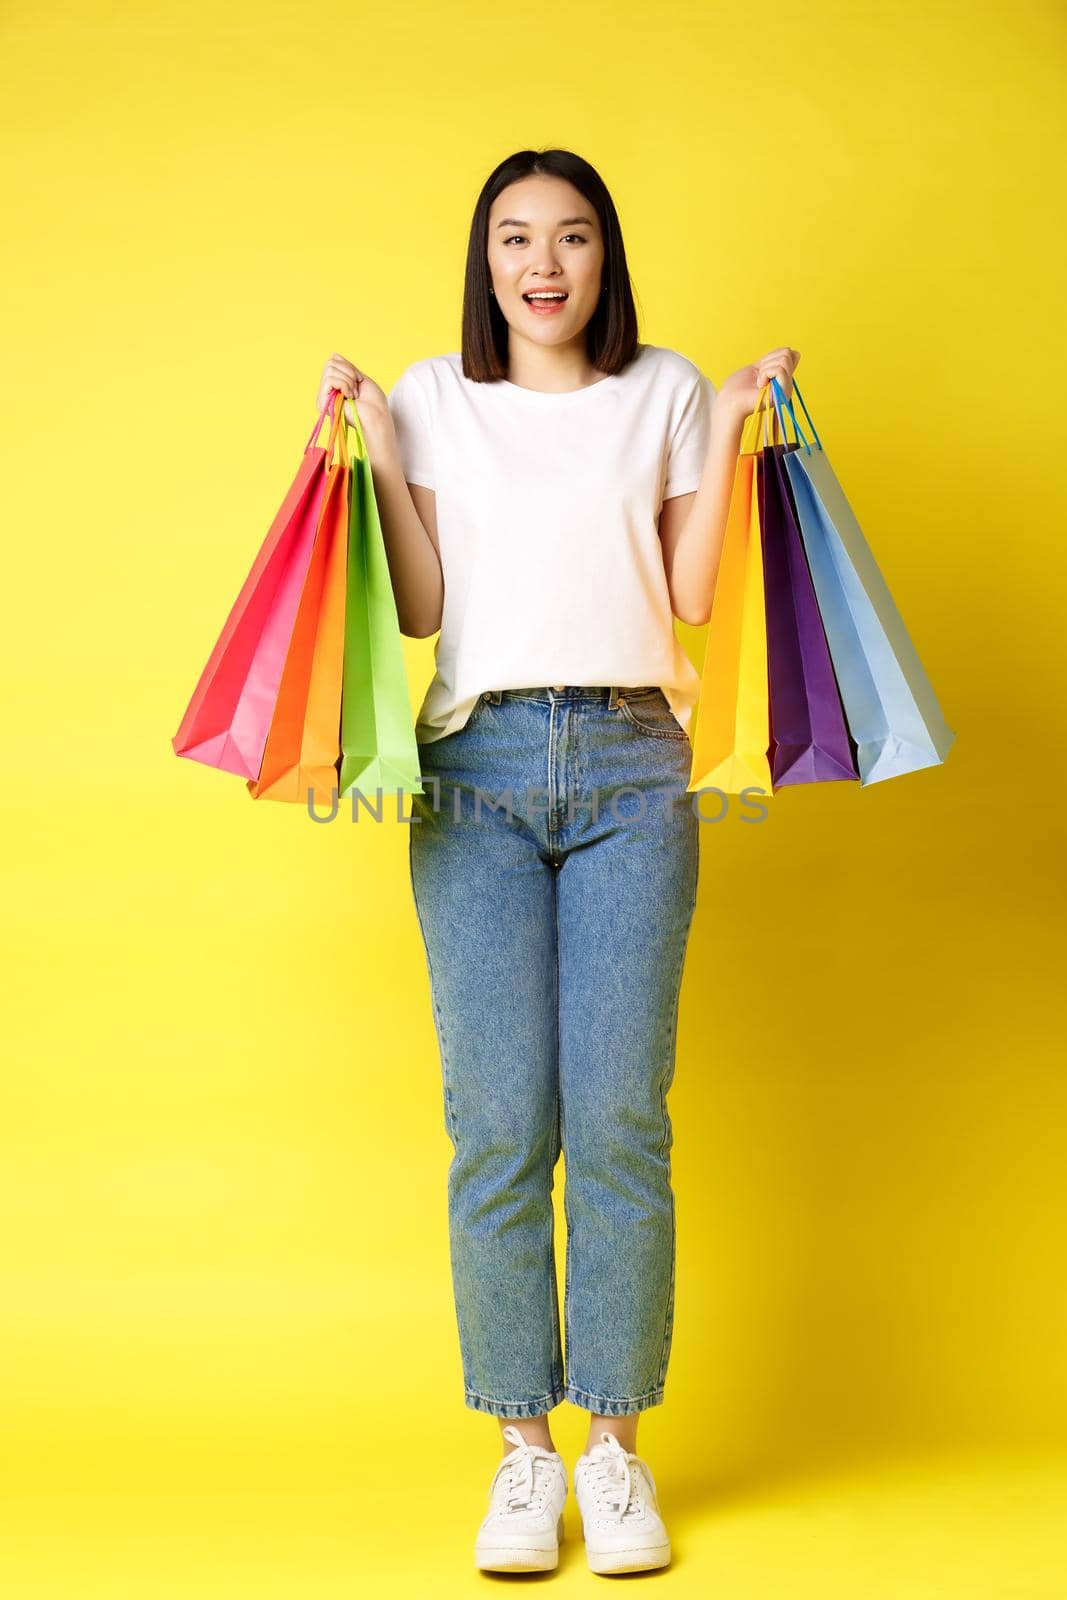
{"x":337,"y":431}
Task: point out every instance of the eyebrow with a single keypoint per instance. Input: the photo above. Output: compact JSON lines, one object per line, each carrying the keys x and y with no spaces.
{"x":568,"y":222}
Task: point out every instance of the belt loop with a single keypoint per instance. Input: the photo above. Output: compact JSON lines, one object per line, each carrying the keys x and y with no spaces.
{"x":613,"y":698}
{"x":495,"y":695}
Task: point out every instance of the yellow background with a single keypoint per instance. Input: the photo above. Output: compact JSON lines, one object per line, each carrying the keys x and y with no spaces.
{"x":229,"y":1358}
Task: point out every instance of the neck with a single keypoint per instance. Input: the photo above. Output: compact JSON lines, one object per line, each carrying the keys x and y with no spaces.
{"x":551,"y":368}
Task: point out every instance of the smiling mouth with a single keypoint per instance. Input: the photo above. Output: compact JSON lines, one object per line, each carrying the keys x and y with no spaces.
{"x":544,"y":306}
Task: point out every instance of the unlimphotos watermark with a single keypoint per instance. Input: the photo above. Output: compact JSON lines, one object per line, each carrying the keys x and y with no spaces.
{"x":538,"y":802}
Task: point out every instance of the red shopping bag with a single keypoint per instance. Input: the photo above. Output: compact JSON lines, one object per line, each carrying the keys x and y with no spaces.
{"x":226,"y":722}
{"x":300,"y":760}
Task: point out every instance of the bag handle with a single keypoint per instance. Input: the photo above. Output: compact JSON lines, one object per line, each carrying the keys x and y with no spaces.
{"x":778,"y":390}
{"x":360,"y":452}
{"x":342,"y":423}
{"x":779,"y":398}
{"x":315,"y":429}
{"x":760,"y":410}
{"x":337,"y":432}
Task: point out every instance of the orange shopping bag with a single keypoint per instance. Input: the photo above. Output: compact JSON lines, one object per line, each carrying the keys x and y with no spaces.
{"x":304,"y":739}
{"x":732,"y":733}
{"x":225,"y":724}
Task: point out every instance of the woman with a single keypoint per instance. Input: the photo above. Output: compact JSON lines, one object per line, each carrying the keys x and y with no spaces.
{"x":551,"y":497}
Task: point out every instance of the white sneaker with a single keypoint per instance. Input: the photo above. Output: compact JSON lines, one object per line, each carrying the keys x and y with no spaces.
{"x":616,"y":1492}
{"x":522,"y":1529}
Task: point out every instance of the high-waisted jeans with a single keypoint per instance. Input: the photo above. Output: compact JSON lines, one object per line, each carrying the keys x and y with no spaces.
{"x":554,"y":867}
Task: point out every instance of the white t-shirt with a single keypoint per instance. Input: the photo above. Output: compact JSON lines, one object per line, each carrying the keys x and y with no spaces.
{"x":547,"y":509}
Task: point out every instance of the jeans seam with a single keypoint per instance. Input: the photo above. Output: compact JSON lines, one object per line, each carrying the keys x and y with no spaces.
{"x":593,"y":1402}
{"x":554,"y":1151}
{"x":563,"y":1143}
{"x":620,"y":1399}
{"x":438,"y":1020}
{"x":664,"y":1154}
{"x":668,"y":1319}
{"x":531,"y":1406}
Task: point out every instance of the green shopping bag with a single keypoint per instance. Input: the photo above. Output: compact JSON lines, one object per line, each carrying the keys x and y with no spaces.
{"x":378,"y":746}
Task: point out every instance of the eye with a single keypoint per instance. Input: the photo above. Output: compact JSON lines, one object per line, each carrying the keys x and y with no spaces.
{"x":578,"y":236}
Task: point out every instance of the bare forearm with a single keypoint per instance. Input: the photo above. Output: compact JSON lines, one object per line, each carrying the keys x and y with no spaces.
{"x":414,"y":567}
{"x":695,"y":566}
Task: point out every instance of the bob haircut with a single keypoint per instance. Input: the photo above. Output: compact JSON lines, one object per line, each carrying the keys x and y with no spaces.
{"x":611,"y":332}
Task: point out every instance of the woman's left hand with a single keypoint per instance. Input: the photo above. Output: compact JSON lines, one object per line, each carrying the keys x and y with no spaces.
{"x":740,"y":391}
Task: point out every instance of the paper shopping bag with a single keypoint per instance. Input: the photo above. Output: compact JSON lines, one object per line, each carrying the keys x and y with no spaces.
{"x":303,"y":742}
{"x":225,"y":724}
{"x":732,"y":731}
{"x":809,"y":733}
{"x":379,"y":752}
{"x":892,"y":710}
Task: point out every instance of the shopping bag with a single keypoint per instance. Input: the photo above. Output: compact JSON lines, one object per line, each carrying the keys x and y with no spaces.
{"x":809,"y":733}
{"x":225,"y":724}
{"x":379,"y":752}
{"x":303,"y":741}
{"x":732,"y":730}
{"x":892,"y":710}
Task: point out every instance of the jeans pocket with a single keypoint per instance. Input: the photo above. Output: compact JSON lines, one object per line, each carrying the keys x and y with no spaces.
{"x":650,"y":712}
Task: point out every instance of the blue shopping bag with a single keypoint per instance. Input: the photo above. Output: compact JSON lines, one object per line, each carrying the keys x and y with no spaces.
{"x":892,"y":711}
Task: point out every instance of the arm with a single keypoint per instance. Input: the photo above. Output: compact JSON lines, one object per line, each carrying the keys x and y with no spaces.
{"x":408,"y":511}
{"x":409,"y":527}
{"x":692,"y":526}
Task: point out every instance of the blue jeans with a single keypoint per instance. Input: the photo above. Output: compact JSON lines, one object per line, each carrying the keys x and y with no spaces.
{"x":555,"y":923}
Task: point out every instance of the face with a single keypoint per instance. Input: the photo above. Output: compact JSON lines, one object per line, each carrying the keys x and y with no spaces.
{"x":544,"y":234}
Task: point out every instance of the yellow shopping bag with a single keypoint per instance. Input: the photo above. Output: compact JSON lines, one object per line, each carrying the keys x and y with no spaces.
{"x":733,"y":734}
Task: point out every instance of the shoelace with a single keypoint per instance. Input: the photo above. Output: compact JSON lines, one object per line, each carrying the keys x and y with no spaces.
{"x":517,"y":1482}
{"x":609,"y":1474}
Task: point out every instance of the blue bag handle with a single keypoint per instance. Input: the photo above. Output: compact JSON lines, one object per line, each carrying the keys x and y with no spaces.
{"x":779,"y":391}
{"x":766,"y":411}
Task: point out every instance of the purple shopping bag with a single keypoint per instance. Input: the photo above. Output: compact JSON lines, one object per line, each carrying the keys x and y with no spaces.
{"x":810,"y":740}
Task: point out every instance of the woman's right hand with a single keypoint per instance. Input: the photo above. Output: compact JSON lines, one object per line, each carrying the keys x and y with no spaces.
{"x":363,"y":398}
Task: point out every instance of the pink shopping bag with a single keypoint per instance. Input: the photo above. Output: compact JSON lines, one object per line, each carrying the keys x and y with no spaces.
{"x":226,"y":722}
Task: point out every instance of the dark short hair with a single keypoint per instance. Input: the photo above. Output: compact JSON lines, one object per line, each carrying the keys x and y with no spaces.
{"x":611,"y":332}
